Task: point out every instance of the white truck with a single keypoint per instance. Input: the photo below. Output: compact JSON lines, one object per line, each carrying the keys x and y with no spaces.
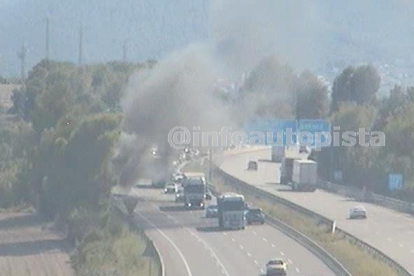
{"x":278,"y":152}
{"x":305,"y":175}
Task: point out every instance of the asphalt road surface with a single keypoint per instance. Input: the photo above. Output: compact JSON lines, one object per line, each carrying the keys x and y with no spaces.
{"x":192,"y":245}
{"x":388,"y":230}
{"x":27,"y":248}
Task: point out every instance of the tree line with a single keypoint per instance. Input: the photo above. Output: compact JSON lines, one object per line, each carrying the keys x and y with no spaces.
{"x":274,"y":90}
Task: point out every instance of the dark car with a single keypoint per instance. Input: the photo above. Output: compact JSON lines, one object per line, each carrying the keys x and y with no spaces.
{"x":255,"y":215}
{"x":208,"y":196}
{"x":252,"y":166}
{"x":212,"y":211}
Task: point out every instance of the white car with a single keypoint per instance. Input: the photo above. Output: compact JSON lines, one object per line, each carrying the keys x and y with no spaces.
{"x":358,"y":212}
{"x":276,"y":267}
{"x":179,"y":195}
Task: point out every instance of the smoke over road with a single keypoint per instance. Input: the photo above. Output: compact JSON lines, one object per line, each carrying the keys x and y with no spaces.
{"x":179,"y":90}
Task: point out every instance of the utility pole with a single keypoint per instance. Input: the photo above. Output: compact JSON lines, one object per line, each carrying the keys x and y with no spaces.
{"x":210,"y":165}
{"x":22,"y":56}
{"x":47,"y":38}
{"x":124,"y":52}
{"x":80,"y":49}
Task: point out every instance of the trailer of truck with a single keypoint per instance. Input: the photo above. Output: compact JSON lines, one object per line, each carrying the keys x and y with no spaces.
{"x":286,"y":170}
{"x":278,"y":152}
{"x":304,"y":175}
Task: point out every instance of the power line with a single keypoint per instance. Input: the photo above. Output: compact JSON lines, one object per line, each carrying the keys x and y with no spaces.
{"x":80,"y":49}
{"x":124,"y":52}
{"x":22,"y":56}
{"x":47,"y":38}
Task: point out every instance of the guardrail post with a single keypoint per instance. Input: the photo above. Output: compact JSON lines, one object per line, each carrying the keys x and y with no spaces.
{"x":333,"y":229}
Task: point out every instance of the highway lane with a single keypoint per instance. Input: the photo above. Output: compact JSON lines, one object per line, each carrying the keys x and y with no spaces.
{"x":193,"y":245}
{"x":388,"y":230}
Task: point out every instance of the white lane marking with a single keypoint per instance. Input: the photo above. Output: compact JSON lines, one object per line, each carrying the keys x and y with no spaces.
{"x":256,"y":262}
{"x":401,"y":245}
{"x":187,"y":267}
{"x":297,"y":270}
{"x":254,"y":233}
{"x":206,"y":246}
{"x":225,"y":234}
{"x":282,"y":253}
{"x":389,"y":239}
{"x":273,"y":245}
{"x":290,"y":261}
{"x":233,"y":239}
{"x":241,"y":247}
{"x":264,"y":239}
{"x":249,"y":255}
{"x":262,"y":271}
{"x":412,"y":251}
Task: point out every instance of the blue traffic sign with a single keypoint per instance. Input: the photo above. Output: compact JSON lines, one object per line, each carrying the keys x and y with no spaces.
{"x":395,"y":181}
{"x":314,"y":133}
{"x":274,"y":132}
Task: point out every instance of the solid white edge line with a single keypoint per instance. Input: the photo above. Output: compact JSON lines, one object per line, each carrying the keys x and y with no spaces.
{"x":187,"y":267}
{"x":206,"y":245}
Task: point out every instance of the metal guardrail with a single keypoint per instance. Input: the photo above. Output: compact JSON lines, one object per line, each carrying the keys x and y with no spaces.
{"x":229,"y":179}
{"x":118,"y":204}
{"x":384,"y":201}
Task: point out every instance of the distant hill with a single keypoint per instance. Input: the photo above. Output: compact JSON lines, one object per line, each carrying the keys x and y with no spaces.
{"x":324,"y":35}
{"x":149,"y":27}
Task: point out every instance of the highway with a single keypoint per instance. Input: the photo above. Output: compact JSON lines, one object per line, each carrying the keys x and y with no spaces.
{"x":387,"y":230}
{"x":192,"y":245}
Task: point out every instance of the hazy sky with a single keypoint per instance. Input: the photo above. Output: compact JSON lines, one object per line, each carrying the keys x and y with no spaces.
{"x":318,"y":34}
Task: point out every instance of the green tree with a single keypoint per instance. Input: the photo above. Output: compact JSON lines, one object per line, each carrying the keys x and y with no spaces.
{"x":75,"y":170}
{"x":358,"y":85}
{"x":268,"y":91}
{"x":398,"y":153}
{"x":355,"y":159}
{"x":311,"y":97}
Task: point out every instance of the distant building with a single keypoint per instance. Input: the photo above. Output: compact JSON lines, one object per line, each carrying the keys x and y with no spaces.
{"x":6,"y":92}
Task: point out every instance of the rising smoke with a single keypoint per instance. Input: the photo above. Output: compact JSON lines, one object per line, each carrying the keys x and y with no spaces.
{"x":179,"y":90}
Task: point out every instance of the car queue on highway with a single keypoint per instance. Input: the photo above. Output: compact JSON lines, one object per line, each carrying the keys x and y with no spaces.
{"x":251,"y":215}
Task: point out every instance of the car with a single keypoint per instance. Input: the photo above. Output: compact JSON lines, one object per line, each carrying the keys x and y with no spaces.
{"x":179,"y":195}
{"x":254,"y":215}
{"x":212,"y":211}
{"x":304,"y":149}
{"x":276,"y":267}
{"x":178,"y":177}
{"x":170,"y":188}
{"x":358,"y":212}
{"x":252,"y":166}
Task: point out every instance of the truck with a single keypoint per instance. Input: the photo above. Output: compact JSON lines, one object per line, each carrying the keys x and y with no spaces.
{"x":195,"y":175}
{"x":286,"y":170}
{"x":194,"y":193}
{"x":231,"y":211}
{"x":278,"y":152}
{"x":304,"y":176}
